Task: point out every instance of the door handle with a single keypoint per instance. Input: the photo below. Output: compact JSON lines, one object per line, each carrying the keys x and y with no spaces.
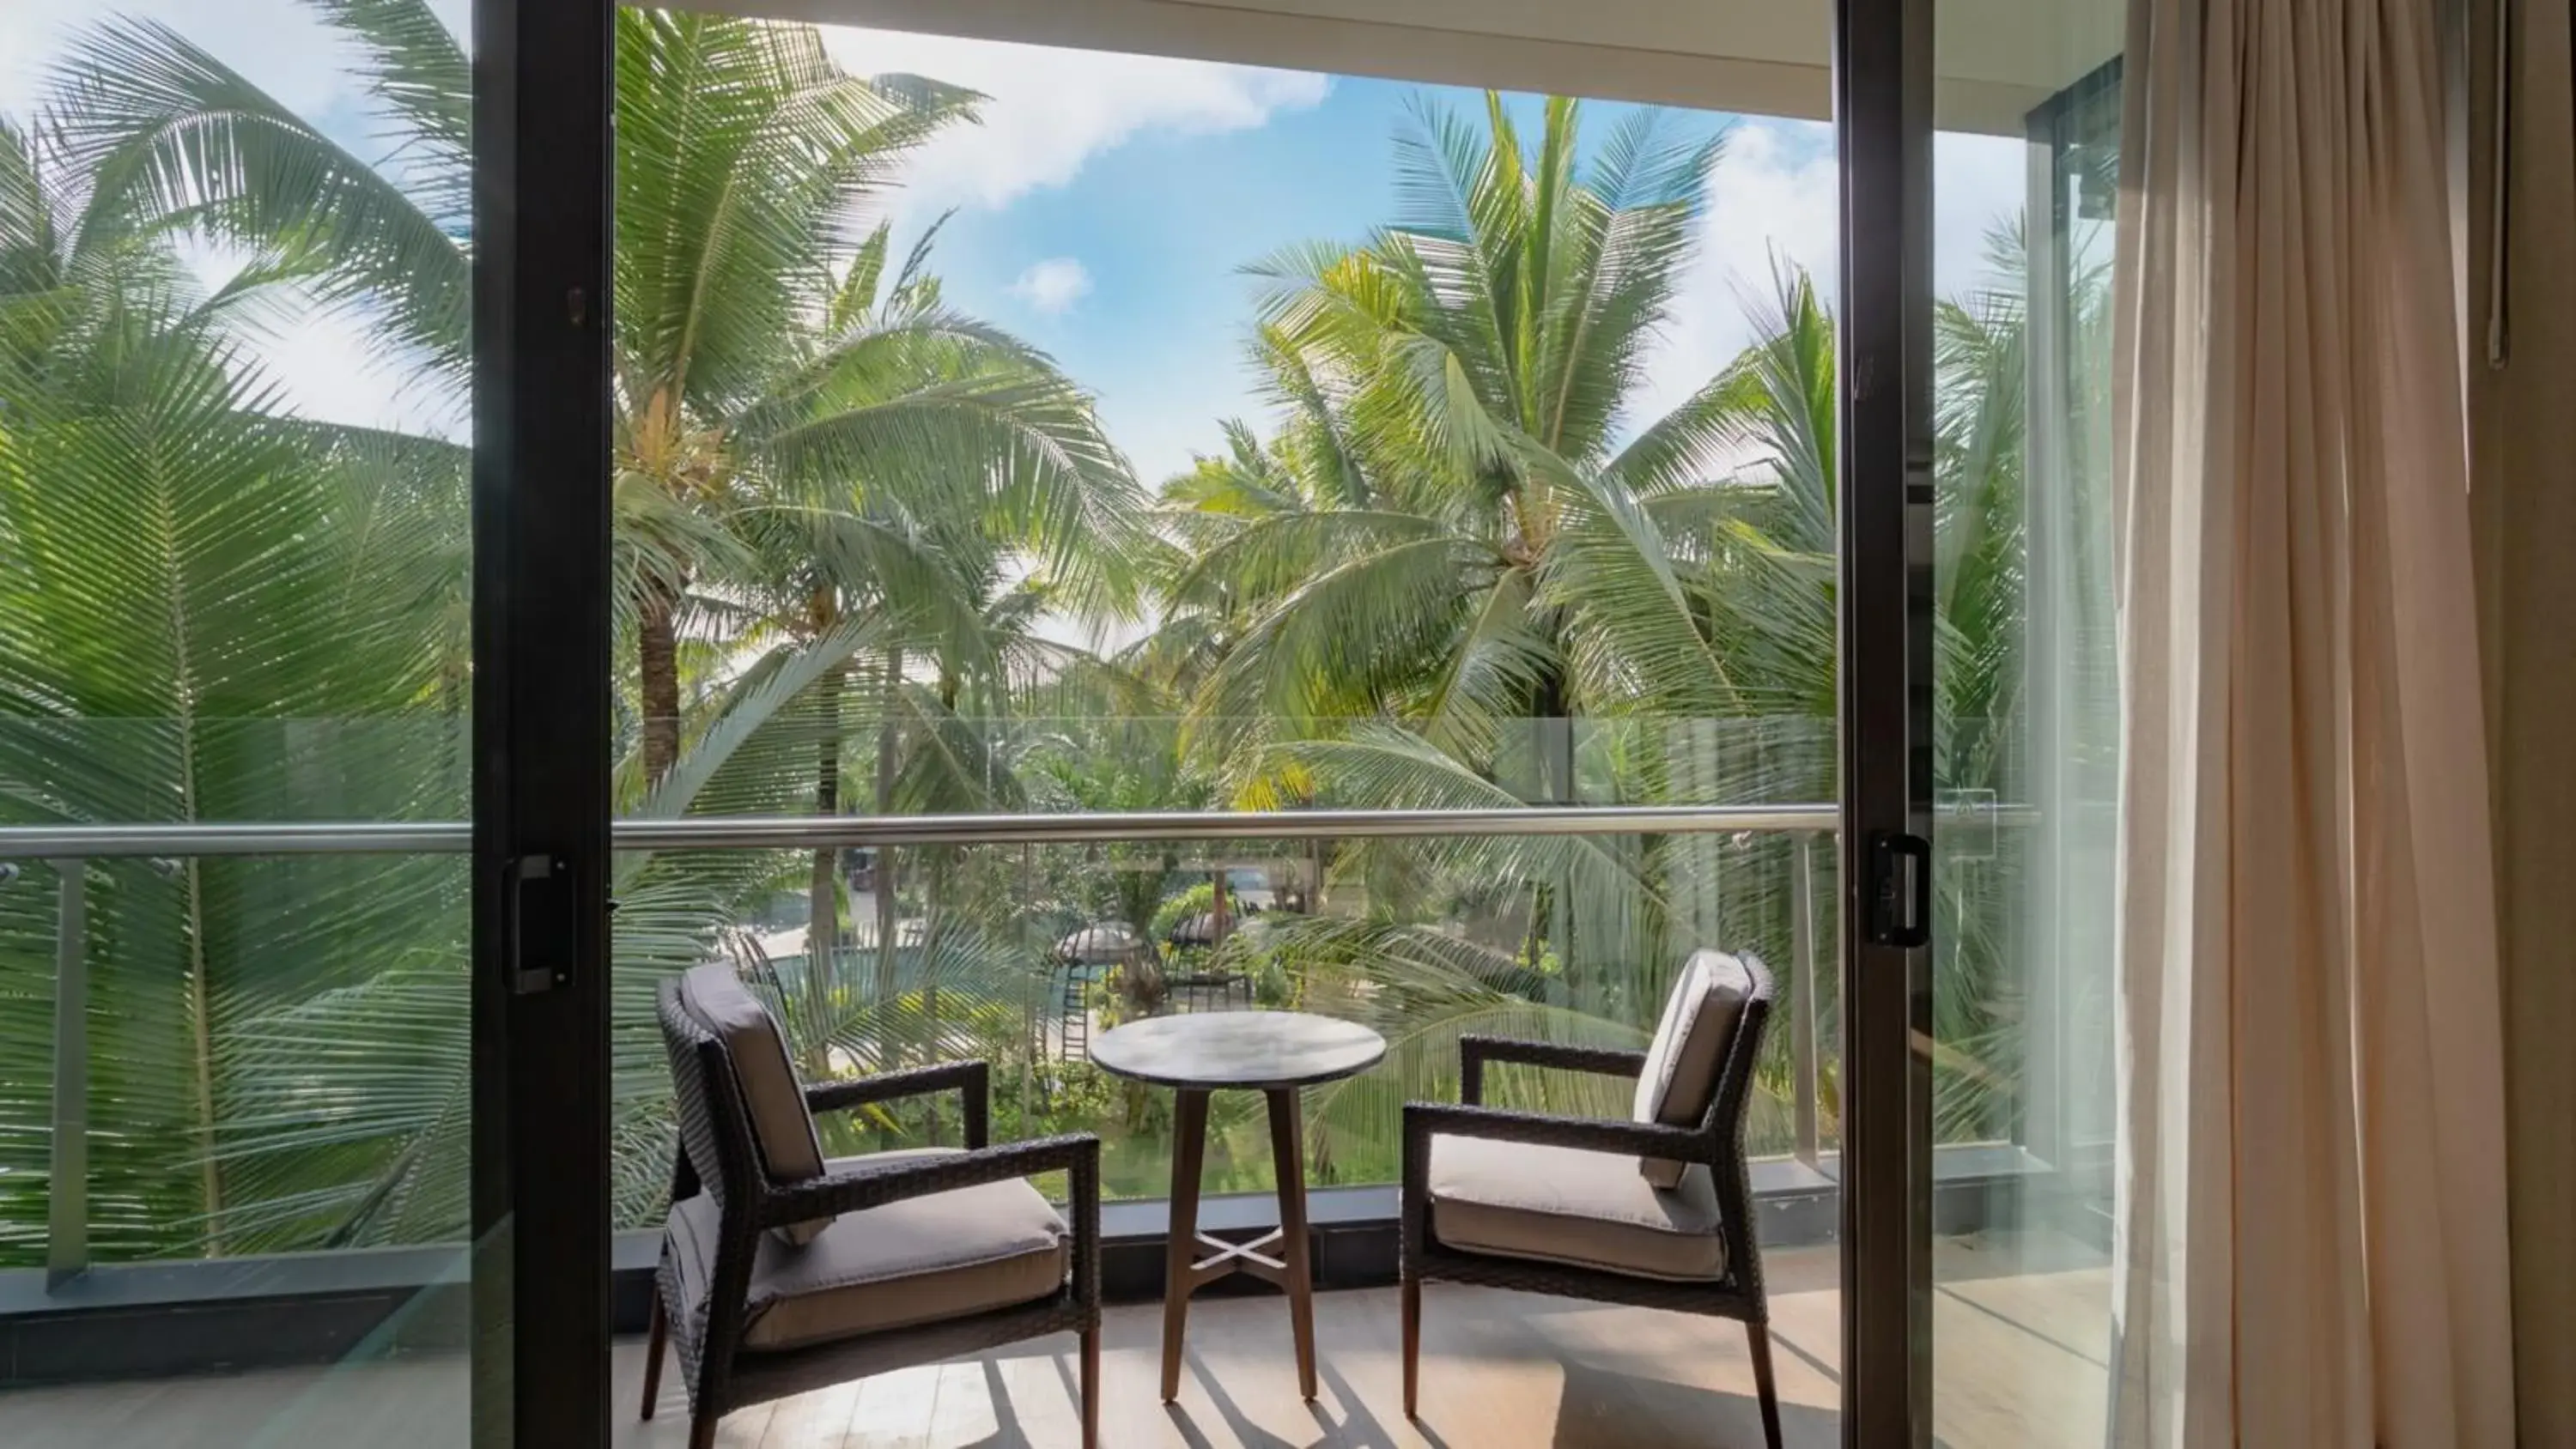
{"x":538,"y":884}
{"x":1900,"y":890}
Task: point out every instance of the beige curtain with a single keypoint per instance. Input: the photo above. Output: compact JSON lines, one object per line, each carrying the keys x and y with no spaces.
{"x":2311,"y":1191}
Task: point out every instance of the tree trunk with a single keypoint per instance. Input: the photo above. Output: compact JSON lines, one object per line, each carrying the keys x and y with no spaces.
{"x":658,"y":668}
{"x":934,"y":892}
{"x":201,"y":1019}
{"x":823,"y":894}
{"x":939,"y":860}
{"x":1562,"y":791}
{"x":1552,"y":762}
{"x":1032,"y":1024}
{"x":889,"y":1035}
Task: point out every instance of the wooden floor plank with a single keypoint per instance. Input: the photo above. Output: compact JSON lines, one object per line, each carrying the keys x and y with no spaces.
{"x":821,"y":1419}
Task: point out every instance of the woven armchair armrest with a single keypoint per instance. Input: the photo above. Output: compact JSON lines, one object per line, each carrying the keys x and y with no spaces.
{"x":1425,"y":1120}
{"x":858,"y":1188}
{"x":1475,"y":1051}
{"x":971,"y":1080}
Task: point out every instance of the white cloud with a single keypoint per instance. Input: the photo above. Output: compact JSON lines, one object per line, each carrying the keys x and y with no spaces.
{"x":1773,"y":202}
{"x":1977,"y":183}
{"x":329,"y":368}
{"x":1051,"y":110}
{"x":1053,"y":286}
{"x":329,"y":365}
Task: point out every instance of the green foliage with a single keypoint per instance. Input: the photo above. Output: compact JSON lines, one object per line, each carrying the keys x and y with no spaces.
{"x":1459,"y":575}
{"x":284,"y":637}
{"x":1459,"y":571}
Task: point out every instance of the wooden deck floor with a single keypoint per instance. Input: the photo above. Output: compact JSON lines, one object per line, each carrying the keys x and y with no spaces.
{"x":2020,"y":1362}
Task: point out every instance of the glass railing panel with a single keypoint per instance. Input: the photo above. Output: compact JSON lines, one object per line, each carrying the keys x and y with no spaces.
{"x":1023,"y":955}
{"x":250,"y":1052}
{"x":1021,"y":952}
{"x":311,"y":1113}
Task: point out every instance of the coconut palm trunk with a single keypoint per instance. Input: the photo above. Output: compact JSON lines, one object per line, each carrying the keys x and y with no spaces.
{"x":889,"y":749}
{"x":823,"y":891}
{"x":657,"y":669}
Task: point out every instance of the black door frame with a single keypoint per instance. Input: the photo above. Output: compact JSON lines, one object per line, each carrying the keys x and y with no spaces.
{"x":1882,"y":79}
{"x":543,"y":94}
{"x":543,"y":179}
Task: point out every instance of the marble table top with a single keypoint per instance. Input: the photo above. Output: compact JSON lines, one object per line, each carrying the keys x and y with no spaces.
{"x":1253,"y":1049}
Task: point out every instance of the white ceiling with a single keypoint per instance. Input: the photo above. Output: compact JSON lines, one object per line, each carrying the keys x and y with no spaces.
{"x":1996,"y":58}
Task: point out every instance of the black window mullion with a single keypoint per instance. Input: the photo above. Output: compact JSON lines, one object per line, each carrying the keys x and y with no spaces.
{"x":542,"y":164}
{"x":1883,"y":128}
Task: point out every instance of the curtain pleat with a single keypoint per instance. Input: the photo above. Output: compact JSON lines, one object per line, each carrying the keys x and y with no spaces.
{"x":2310,"y":1238}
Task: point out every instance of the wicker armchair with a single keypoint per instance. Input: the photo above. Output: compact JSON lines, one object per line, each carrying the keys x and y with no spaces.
{"x":1540,"y":1203}
{"x":782,"y":1272}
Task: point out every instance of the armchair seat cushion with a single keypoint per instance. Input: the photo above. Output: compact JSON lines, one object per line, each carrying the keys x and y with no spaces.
{"x":1566,"y":1205}
{"x":921,"y":1260}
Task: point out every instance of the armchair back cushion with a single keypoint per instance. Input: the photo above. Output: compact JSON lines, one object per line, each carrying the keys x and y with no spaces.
{"x":1680,"y":1078}
{"x":791,"y":1151}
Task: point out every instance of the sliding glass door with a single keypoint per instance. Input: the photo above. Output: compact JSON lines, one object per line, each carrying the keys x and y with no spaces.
{"x":303,"y":548}
{"x":1981,"y":716}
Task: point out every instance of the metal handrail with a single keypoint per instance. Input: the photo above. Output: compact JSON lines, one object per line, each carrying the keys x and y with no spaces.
{"x":818,"y":832}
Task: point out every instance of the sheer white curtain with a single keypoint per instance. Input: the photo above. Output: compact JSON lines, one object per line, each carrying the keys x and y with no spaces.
{"x":2311,"y":1193}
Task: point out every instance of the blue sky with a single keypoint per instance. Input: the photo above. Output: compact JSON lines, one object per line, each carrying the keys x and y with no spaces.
{"x":1138,"y":286}
{"x":1159,"y":228}
{"x":1138,"y":188}
{"x":1107,"y":203}
{"x":1138,"y":246}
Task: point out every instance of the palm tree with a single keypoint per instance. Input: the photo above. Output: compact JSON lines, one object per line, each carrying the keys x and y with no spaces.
{"x":1461,"y":532}
{"x":1456,"y":536}
{"x":774,"y":394}
{"x":772,"y":375}
{"x":207,"y":612}
{"x":1779,"y":615}
{"x":752,"y":358}
{"x":1460,"y":539}
{"x":1457,"y":545}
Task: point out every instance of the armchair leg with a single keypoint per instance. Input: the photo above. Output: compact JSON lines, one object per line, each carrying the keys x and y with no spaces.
{"x":654,"y":1341}
{"x":1091,"y":1388}
{"x":1758,"y":1336}
{"x":1412,"y":1344}
{"x":702,"y":1431}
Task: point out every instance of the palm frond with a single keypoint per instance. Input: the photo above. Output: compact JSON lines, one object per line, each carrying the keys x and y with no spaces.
{"x":174,"y":137}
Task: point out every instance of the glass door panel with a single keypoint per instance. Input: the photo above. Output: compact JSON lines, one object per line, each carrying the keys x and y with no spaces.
{"x":2025,"y":724}
{"x":237,"y":1114}
{"x":268,"y":1108}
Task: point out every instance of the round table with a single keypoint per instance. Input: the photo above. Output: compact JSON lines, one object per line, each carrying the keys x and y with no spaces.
{"x":1271,"y":1052}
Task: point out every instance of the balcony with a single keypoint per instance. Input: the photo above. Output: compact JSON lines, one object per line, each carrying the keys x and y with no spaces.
{"x":336,"y":1301}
